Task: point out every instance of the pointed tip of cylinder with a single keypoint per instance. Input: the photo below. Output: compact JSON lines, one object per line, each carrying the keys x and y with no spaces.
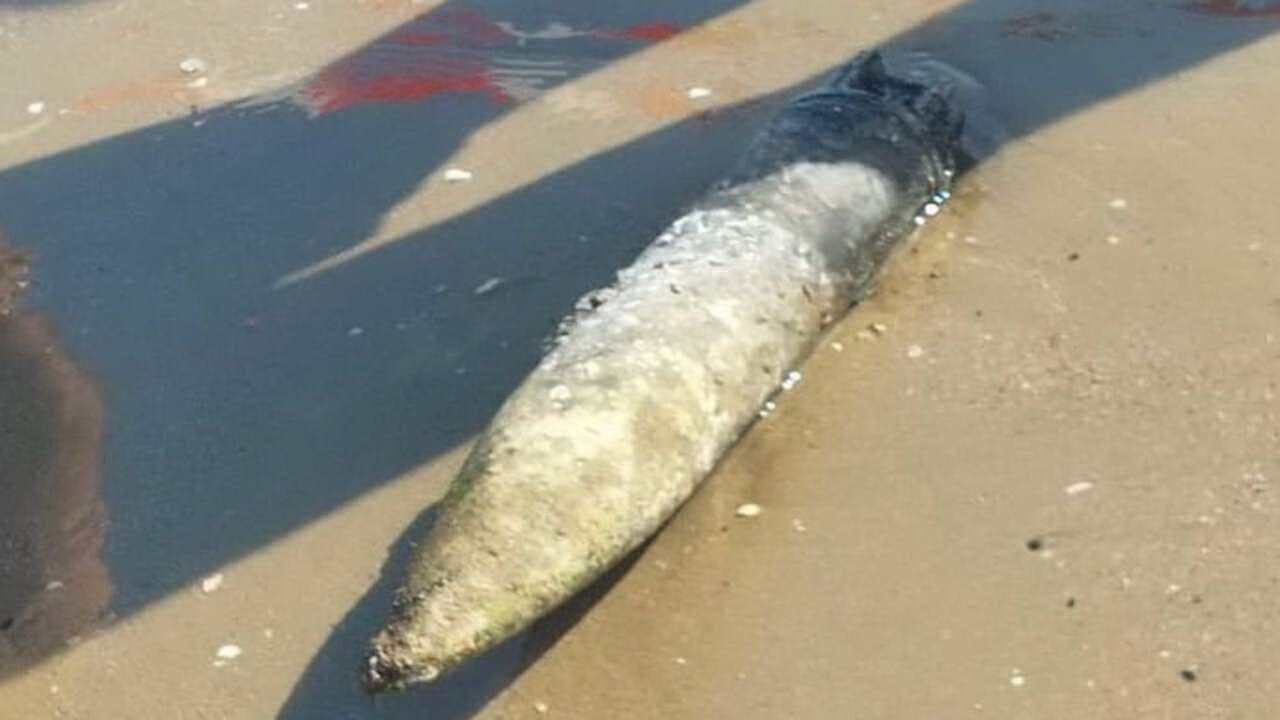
{"x":388,"y":666}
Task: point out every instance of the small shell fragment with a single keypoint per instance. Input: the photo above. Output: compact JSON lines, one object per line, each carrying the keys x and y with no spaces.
{"x":698,"y":93}
{"x":193,"y":66}
{"x":748,"y":510}
{"x":1080,"y":487}
{"x":211,"y":583}
{"x":229,"y":652}
{"x":457,"y":175}
{"x":487,"y":286}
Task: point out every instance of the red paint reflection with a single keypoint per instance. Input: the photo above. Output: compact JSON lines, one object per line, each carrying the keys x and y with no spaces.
{"x":1238,"y":8}
{"x":460,"y":50}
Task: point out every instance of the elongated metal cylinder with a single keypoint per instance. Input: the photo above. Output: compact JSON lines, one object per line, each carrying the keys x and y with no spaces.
{"x":657,"y":376}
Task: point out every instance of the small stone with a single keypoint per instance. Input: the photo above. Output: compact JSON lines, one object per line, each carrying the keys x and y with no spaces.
{"x":561,"y":394}
{"x":837,"y":346}
{"x":932,"y":209}
{"x":918,"y":220}
{"x":355,"y":332}
{"x":681,"y":661}
{"x":457,"y":175}
{"x":211,"y":583}
{"x":915,"y":352}
{"x":791,"y":380}
{"x":1118,"y":204}
{"x":229,"y":652}
{"x":1113,"y":240}
{"x":198,"y":82}
{"x":302,"y":6}
{"x":53,"y":585}
{"x":1017,"y":681}
{"x":698,"y":93}
{"x":798,"y":525}
{"x":879,"y":328}
{"x":1188,"y":675}
{"x":748,"y":510}
{"x":1080,"y":487}
{"x":193,"y":66}
{"x":541,"y":708}
{"x":35,"y":108}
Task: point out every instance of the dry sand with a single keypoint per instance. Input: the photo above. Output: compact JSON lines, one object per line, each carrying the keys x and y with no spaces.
{"x":1043,"y":486}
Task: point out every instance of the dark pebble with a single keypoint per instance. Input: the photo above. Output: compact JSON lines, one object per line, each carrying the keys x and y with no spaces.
{"x":1035,"y":544}
{"x":1188,"y":675}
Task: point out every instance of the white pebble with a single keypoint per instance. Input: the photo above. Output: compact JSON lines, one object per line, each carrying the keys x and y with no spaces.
{"x":229,"y":652}
{"x":1119,"y":203}
{"x":35,"y":108}
{"x":915,"y":352}
{"x":1080,"y":487}
{"x":1113,"y":240}
{"x":932,"y":209}
{"x":798,"y":525}
{"x":1017,"y":681}
{"x":791,"y":380}
{"x":302,"y":6}
{"x":748,"y":510}
{"x":561,"y":394}
{"x":837,"y":346}
{"x":698,"y":93}
{"x":457,"y":175}
{"x":192,"y":66}
{"x":681,"y":661}
{"x":879,"y":328}
{"x":541,"y":708}
{"x":355,"y":332}
{"x":211,"y":583}
{"x":919,"y":220}
{"x":53,"y":585}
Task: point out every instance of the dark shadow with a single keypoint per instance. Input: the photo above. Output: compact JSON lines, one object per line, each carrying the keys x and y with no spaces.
{"x":328,"y":687}
{"x":53,"y":581}
{"x":236,"y":413}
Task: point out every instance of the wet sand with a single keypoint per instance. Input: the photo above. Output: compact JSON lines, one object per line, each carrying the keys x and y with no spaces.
{"x":1033,"y":476}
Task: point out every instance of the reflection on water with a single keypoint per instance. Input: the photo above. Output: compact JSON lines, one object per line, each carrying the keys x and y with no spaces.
{"x":52,"y":579}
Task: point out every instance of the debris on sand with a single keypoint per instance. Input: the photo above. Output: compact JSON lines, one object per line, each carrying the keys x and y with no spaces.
{"x":193,"y":66}
{"x":488,"y":286}
{"x":748,"y":510}
{"x":211,"y":583}
{"x":229,"y":652}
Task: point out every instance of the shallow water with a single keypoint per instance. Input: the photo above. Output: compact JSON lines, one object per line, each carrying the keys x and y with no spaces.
{"x":253,"y":343}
